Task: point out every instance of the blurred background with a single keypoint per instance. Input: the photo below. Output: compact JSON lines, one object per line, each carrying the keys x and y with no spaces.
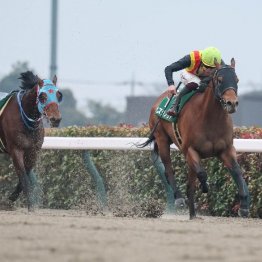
{"x":110,"y":56}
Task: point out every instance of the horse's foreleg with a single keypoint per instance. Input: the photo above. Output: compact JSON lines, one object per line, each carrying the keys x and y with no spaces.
{"x":18,"y":160}
{"x":230,"y":161}
{"x":30,"y":160}
{"x":17,"y":192}
{"x":193,"y":161}
{"x":191,"y":185}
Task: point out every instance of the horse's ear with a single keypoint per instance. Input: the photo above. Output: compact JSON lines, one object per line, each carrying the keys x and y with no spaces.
{"x":216,"y":64}
{"x":54,"y":80}
{"x":233,"y":62}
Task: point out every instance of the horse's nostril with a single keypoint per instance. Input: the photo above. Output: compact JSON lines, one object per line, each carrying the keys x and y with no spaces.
{"x":54,"y":122}
{"x":236,"y":103}
{"x":229,"y":103}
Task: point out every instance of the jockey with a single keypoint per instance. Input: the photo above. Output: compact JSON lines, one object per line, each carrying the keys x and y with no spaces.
{"x":197,"y":65}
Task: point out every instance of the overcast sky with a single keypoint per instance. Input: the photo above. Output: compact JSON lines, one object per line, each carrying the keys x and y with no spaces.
{"x":101,"y":42}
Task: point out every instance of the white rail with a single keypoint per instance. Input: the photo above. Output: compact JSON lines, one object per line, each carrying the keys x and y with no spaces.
{"x":129,"y":143}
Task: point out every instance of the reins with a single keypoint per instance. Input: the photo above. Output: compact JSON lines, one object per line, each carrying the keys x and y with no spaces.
{"x":32,"y":124}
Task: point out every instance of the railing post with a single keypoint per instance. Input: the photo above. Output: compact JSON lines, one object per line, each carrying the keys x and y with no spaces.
{"x":98,"y":180}
{"x":35,"y":189}
{"x":170,"y":209}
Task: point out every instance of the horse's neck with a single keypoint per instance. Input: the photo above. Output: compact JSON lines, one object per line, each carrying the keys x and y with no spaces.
{"x":211,"y":106}
{"x":29,"y":105}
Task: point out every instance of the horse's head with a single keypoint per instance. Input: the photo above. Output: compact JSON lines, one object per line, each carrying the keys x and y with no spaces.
{"x":49,"y":98}
{"x":225,"y":82}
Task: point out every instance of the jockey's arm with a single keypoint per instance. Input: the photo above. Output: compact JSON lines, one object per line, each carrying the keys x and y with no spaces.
{"x":177,"y":66}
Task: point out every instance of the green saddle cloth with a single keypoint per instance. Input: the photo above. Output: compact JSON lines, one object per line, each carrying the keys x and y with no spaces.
{"x":4,"y":97}
{"x":165,"y":105}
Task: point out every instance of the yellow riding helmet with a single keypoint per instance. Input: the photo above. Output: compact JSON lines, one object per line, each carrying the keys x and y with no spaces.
{"x":208,"y":56}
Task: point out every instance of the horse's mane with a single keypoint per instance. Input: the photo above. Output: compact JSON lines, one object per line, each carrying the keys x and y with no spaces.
{"x":28,"y":80}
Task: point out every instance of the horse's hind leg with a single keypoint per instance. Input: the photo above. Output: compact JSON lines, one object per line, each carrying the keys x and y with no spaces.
{"x":164,"y":153}
{"x":230,"y":161}
{"x":13,"y":197}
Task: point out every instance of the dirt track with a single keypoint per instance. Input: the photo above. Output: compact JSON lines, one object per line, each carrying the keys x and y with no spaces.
{"x":52,"y":235}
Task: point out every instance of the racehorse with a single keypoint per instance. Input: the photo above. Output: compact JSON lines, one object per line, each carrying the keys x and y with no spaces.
{"x":22,"y":131}
{"x":204,"y":129}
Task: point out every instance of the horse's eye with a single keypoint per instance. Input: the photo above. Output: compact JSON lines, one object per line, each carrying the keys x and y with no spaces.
{"x":42,"y":98}
{"x":220,"y":79}
{"x":59,"y":96}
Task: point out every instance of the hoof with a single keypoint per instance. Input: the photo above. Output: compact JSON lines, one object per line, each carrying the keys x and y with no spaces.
{"x":191,"y":217}
{"x":180,"y":203}
{"x":31,"y":209}
{"x":204,"y":187}
{"x":259,"y":212}
{"x":196,"y":218}
{"x":242,"y":212}
{"x":13,"y":197}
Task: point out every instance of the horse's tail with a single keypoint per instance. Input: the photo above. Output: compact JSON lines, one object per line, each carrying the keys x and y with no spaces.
{"x":150,"y":139}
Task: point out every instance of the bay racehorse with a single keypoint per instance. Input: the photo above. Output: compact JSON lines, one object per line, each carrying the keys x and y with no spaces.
{"x":204,"y":129}
{"x":22,"y":131}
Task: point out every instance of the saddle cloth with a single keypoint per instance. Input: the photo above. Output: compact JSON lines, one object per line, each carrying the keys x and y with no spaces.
{"x":4,"y":99}
{"x":165,"y":105}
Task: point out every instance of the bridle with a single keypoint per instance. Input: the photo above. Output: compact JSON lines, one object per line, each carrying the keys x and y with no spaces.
{"x":46,"y":95}
{"x":220,"y":87}
{"x":50,"y":91}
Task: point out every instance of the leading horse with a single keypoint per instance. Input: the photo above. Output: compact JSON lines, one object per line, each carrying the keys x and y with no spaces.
{"x":22,"y":131}
{"x":204,"y":129}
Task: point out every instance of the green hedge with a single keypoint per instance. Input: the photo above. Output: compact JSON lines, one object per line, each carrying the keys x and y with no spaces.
{"x":132,"y":184}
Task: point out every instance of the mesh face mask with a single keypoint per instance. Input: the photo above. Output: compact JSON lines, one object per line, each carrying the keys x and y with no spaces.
{"x":50,"y":90}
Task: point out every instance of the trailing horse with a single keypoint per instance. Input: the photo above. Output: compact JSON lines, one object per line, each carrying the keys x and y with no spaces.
{"x":21,"y":127}
{"x":203,"y":129}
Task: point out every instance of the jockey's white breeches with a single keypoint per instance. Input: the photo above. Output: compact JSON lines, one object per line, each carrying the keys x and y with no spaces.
{"x":187,"y":77}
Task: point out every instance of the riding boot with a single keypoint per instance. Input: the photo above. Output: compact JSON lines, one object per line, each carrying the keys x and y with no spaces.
{"x":173,"y":109}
